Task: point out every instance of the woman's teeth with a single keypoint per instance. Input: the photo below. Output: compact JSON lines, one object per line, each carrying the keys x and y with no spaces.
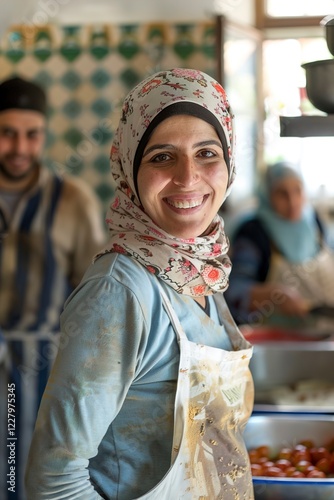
{"x":185,"y":203}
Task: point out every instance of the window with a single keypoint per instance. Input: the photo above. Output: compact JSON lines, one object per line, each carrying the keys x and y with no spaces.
{"x":284,"y":13}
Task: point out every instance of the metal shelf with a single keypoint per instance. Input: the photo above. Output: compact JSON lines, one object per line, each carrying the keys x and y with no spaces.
{"x":307,"y":126}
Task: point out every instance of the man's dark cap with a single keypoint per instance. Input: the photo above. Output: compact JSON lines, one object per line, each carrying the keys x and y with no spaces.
{"x":17,"y":93}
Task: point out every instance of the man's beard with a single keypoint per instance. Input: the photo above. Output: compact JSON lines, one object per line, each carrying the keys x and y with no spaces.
{"x":6,"y":173}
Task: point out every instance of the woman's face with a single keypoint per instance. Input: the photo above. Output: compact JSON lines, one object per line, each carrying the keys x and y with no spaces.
{"x":183,"y":177}
{"x":287,"y":198}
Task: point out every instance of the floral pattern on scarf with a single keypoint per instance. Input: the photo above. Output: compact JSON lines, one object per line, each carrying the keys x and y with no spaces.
{"x":198,"y":266}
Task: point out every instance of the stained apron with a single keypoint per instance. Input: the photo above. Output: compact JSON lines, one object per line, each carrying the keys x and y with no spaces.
{"x":312,"y":279}
{"x":214,"y":399}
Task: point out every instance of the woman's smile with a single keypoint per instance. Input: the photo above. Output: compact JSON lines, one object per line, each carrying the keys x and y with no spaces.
{"x":186,"y":204}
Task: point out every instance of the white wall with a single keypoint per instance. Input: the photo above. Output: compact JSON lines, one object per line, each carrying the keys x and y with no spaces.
{"x":120,"y":11}
{"x":7,"y":15}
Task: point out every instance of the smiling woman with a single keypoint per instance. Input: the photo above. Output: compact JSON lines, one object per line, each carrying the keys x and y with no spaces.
{"x":150,"y":398}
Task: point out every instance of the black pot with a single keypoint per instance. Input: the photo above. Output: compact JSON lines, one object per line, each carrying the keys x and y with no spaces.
{"x":320,"y":84}
{"x":328,"y":22}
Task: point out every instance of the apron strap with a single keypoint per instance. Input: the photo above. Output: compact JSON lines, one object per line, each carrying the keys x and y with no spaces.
{"x":172,"y":315}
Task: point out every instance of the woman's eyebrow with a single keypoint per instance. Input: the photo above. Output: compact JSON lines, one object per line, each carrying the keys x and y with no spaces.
{"x":171,"y":146}
{"x":158,"y":146}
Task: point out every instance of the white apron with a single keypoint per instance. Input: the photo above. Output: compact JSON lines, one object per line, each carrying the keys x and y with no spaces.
{"x":214,"y":399}
{"x":312,"y":279}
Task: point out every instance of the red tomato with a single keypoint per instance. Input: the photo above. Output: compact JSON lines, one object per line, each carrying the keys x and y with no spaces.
{"x":303,"y":460}
{"x":310,"y":468}
{"x":331,"y":464}
{"x":282,"y":463}
{"x":303,"y":465}
{"x":316,"y":474}
{"x":285,"y":453}
{"x":253,"y":456}
{"x":256,"y":470}
{"x":275,"y":472}
{"x":263,"y":451}
{"x":266,"y":465}
{"x":324,"y":465}
{"x":299,"y":447}
{"x":297,"y":473}
{"x":290,"y":470}
{"x":318,"y":453}
{"x":300,"y":454}
{"x":308,"y":443}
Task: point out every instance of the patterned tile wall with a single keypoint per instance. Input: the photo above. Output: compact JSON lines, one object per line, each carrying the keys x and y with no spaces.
{"x":86,"y":71}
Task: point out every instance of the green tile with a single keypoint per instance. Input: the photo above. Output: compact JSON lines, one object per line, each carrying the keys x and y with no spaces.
{"x":104,"y":135}
{"x":100,"y":78}
{"x":71,"y":80}
{"x":184,"y":46}
{"x":43,"y":46}
{"x":105,"y":192}
{"x":72,"y":109}
{"x":99,"y":43}
{"x":70,"y":52}
{"x":14,"y":55}
{"x":51,"y":111}
{"x":50,"y":138}
{"x":44,"y":79}
{"x":99,"y":52}
{"x":71,"y":163}
{"x":101,"y":107}
{"x":71,"y":47}
{"x":128,"y":46}
{"x":15,"y":51}
{"x":73,"y":136}
{"x":74,"y":163}
{"x":130,"y":78}
{"x":208,"y":45}
{"x":102,"y":164}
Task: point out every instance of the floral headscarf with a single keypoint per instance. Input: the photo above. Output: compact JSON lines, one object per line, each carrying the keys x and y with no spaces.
{"x":197,"y":266}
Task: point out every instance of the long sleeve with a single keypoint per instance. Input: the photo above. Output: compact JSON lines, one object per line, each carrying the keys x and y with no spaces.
{"x":100,"y":343}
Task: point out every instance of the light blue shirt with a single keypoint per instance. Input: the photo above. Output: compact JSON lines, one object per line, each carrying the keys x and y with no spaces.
{"x":105,"y":425}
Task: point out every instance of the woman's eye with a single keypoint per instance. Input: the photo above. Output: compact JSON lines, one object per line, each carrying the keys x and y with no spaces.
{"x":207,"y":153}
{"x":160,"y":158}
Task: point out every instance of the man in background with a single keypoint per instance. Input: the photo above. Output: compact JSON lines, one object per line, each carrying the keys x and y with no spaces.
{"x":50,"y":229}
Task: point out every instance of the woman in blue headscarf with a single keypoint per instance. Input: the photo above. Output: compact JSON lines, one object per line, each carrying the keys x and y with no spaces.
{"x":281,"y":265}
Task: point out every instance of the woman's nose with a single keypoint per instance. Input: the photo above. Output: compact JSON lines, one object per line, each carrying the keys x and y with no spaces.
{"x":186,"y":172}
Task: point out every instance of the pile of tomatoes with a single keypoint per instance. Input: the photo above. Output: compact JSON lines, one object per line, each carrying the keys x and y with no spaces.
{"x":303,"y":460}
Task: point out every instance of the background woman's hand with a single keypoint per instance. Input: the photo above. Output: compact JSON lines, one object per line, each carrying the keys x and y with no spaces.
{"x":292,"y":303}
{"x":269,"y":297}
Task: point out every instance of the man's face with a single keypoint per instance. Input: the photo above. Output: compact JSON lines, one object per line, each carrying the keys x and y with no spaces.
{"x":22,"y":135}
